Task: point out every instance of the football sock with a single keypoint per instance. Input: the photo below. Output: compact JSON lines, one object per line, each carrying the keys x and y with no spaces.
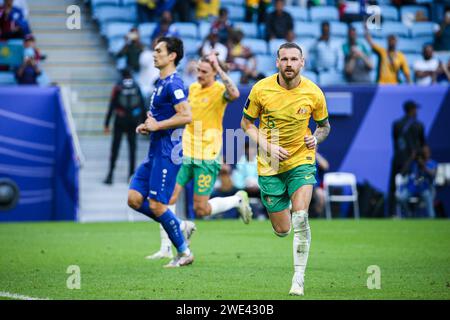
{"x":302,"y":240}
{"x":222,"y":204}
{"x":166,"y":244}
{"x":171,"y":225}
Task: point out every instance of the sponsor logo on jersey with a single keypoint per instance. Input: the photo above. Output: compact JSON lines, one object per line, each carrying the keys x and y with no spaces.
{"x":247,"y":103}
{"x":179,"y":94}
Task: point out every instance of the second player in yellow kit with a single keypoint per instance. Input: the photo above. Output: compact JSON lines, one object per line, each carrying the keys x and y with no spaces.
{"x":202,"y":146}
{"x":284,"y":104}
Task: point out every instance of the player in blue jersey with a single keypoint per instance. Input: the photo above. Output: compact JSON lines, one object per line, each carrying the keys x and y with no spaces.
{"x":154,"y":181}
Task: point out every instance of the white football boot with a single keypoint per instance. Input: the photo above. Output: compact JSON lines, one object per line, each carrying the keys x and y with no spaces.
{"x":297,"y":285}
{"x":244,"y":207}
{"x":181,"y":260}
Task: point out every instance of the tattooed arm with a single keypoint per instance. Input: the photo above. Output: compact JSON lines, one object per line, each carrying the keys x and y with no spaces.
{"x":321,"y":133}
{"x":232,"y":92}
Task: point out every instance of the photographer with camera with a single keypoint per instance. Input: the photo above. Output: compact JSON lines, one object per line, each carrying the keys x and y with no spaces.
{"x":29,"y":71}
{"x":132,"y":50}
{"x":420,"y":171}
{"x":127,"y":104}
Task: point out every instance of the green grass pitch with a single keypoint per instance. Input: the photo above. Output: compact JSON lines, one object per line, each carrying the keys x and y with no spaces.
{"x":233,"y":261}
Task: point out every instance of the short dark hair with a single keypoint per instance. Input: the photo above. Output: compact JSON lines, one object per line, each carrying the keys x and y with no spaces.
{"x":126,"y":73}
{"x":324,"y":23}
{"x":173,"y":44}
{"x":409,"y":105}
{"x":289,"y":45}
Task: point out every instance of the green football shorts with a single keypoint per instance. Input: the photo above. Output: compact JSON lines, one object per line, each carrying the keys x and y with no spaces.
{"x":276,"y":190}
{"x":204,"y":173}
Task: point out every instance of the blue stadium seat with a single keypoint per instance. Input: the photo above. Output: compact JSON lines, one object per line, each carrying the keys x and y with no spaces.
{"x":412,"y":58}
{"x":249,"y":29}
{"x":322,"y":13}
{"x":408,"y":12}
{"x":297,"y":13}
{"x":443,"y":56}
{"x":389,"y":13}
{"x":203,"y":29}
{"x":226,"y":3}
{"x":305,"y":44}
{"x":128,"y":2}
{"x":391,"y":27}
{"x":99,"y":3}
{"x":331,"y":78}
{"x":420,"y":29}
{"x":7,"y":78}
{"x":146,"y":30}
{"x":116,"y":14}
{"x":191,"y":46}
{"x":423,"y":40}
{"x":338,"y":29}
{"x":235,"y":76}
{"x":409,"y":46}
{"x":307,"y":29}
{"x":310,"y":75}
{"x":186,"y":29}
{"x":359,"y":27}
{"x":265,"y":63}
{"x":115,"y":45}
{"x":258,"y":46}
{"x":236,"y":13}
{"x":274,"y":44}
{"x":117,"y":29}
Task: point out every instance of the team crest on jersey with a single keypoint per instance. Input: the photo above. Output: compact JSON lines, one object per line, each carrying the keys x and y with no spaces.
{"x":302,"y":111}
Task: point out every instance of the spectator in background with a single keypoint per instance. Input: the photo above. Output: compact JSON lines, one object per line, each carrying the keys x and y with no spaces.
{"x":245,"y":177}
{"x":210,"y":43}
{"x":12,"y":22}
{"x":29,"y":71}
{"x":22,"y":5}
{"x":420,"y":171}
{"x":132,"y":50}
{"x":317,"y":207}
{"x":241,"y":58}
{"x":183,"y":9}
{"x":164,"y":28}
{"x":443,"y":74}
{"x":390,"y":62}
{"x":279,"y":24}
{"x":225,"y":188}
{"x":207,"y":10}
{"x":357,"y":59}
{"x":190,"y":73}
{"x":223,"y":25}
{"x":127,"y":104}
{"x":326,"y":54}
{"x":31,"y":43}
{"x":426,"y":70}
{"x":408,"y":135}
{"x":258,"y":7}
{"x":148,"y":74}
{"x":151,"y":10}
{"x":442,"y":36}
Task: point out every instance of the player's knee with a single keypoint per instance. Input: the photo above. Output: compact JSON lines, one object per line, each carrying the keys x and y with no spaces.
{"x":157,"y":208}
{"x":134,"y":202}
{"x":281,"y":231}
{"x":201,"y":209}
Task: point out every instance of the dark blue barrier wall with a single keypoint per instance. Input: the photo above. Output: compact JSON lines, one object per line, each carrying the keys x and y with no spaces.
{"x":36,"y":151}
{"x":361,"y":143}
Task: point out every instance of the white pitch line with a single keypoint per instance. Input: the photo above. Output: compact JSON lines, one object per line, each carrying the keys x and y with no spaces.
{"x":18,"y":296}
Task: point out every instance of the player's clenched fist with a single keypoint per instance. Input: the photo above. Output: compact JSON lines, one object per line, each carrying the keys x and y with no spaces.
{"x":142,"y":129}
{"x":151,"y":124}
{"x":311,"y":142}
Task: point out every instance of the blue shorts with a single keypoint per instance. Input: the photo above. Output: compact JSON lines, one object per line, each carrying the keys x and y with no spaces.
{"x":156,"y":179}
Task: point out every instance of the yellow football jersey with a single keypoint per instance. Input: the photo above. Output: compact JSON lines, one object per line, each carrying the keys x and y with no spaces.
{"x":284,"y":118}
{"x":202,"y":138}
{"x":207,"y":8}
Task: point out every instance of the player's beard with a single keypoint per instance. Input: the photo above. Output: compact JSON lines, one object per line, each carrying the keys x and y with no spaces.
{"x":290,"y":77}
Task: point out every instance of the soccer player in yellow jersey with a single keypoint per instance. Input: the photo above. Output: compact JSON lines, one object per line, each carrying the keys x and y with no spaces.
{"x":284,"y":103}
{"x":202,"y":145}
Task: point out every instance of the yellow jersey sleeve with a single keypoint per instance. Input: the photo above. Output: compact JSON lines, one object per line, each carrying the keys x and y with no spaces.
{"x":378,"y":49}
{"x":252,"y":107}
{"x":320,"y":111}
{"x":404,"y":64}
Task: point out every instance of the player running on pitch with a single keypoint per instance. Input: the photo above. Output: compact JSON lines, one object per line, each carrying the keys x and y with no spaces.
{"x":284,"y":103}
{"x":202,"y":144}
{"x":154,"y":181}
